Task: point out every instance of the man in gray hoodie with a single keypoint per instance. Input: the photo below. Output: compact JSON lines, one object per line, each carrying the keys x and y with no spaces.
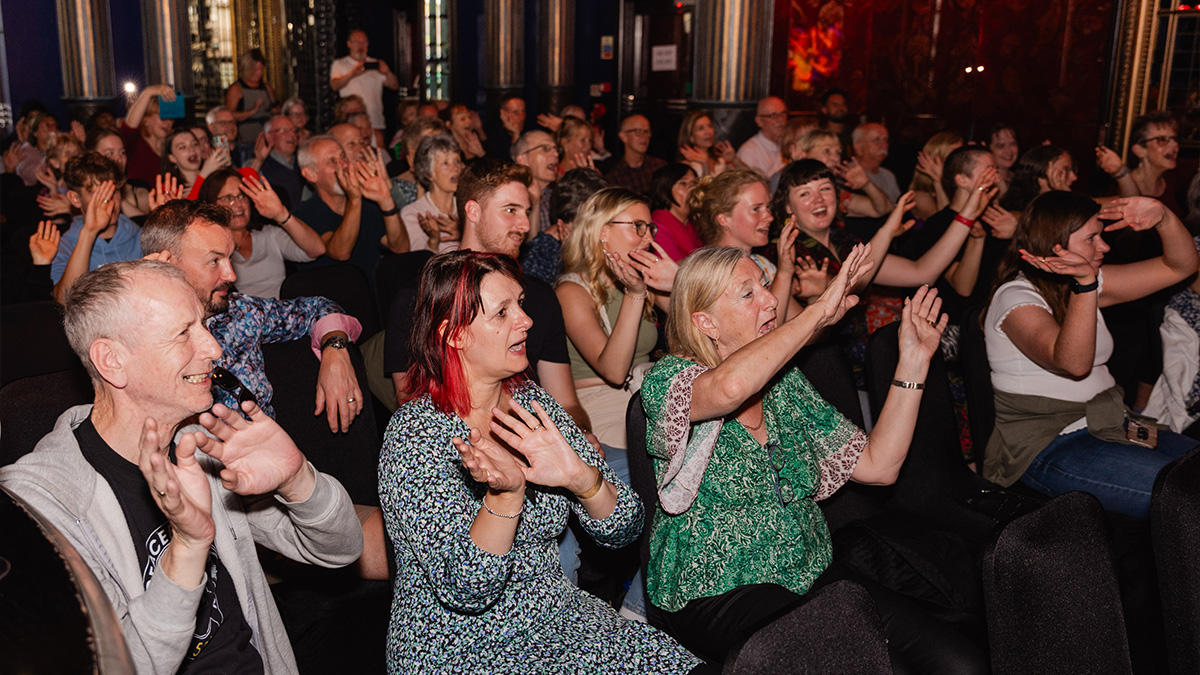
{"x":170,"y":532}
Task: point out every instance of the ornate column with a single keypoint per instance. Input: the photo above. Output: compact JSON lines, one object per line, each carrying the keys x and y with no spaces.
{"x":168,"y":44}
{"x":1129,"y":78}
{"x":556,"y":53}
{"x":731,"y":59}
{"x":85,"y":44}
{"x":504,"y":46}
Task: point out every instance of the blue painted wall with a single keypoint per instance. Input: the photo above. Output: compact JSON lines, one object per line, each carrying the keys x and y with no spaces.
{"x":31,"y":48}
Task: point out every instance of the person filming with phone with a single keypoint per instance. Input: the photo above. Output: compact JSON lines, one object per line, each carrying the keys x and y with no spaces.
{"x":366,"y":76}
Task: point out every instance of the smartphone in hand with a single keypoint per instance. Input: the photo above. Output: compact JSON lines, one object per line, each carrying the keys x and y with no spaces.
{"x":371,"y":65}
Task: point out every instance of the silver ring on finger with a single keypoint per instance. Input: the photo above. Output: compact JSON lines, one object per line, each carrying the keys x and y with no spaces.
{"x":535,"y":428}
{"x":350,"y":399}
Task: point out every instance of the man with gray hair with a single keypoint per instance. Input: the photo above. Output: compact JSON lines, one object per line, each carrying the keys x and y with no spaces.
{"x":169,"y":532}
{"x":536,"y":150}
{"x":870,"y":144}
{"x":275,"y":159}
{"x":353,"y":209}
{"x":223,"y":127}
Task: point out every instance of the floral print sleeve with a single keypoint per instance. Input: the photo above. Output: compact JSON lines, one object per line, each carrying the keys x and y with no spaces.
{"x":834,"y":441}
{"x":251,"y":322}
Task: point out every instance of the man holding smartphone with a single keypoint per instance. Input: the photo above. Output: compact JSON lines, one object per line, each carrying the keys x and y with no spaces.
{"x":366,"y":76}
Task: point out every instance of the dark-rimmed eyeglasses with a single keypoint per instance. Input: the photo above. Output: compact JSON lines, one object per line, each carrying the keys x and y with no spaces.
{"x":639,"y":226}
{"x":1160,"y":140}
{"x":230,"y":200}
{"x":784,"y":491}
{"x":230,"y":383}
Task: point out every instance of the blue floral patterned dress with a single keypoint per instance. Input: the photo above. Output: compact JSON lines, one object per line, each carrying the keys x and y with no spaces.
{"x":458,"y":608}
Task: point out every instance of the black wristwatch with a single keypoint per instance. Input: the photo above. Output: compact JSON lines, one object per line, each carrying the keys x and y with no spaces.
{"x":1078,"y":288}
{"x":335,"y":341}
{"x":390,"y":212}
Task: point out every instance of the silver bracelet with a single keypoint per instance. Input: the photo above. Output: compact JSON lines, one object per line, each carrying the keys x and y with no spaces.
{"x":908,"y":385}
{"x":501,"y":515}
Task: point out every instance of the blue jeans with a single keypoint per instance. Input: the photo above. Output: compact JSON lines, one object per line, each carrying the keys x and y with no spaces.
{"x":568,"y":546}
{"x":1120,"y":476}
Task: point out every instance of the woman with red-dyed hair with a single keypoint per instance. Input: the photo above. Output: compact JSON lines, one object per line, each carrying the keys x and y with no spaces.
{"x":479,"y":470}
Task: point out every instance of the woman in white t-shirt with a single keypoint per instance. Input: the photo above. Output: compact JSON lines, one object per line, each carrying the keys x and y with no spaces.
{"x":432,"y":220}
{"x":1059,"y":418}
{"x":265,"y":232}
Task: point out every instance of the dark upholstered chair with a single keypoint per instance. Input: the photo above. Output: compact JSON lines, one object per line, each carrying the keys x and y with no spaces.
{"x":54,"y":614}
{"x":1175,"y":530}
{"x":977,"y":376}
{"x":1053,"y":605}
{"x":342,"y":283}
{"x":852,"y":640}
{"x":29,"y":407}
{"x":394,"y":271}
{"x":32,"y":341}
{"x":329,"y":614}
{"x":351,"y":457}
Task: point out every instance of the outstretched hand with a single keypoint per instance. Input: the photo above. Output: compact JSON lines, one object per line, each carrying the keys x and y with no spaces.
{"x":166,"y":188}
{"x":837,"y":299}
{"x":896,"y":222}
{"x":265,"y":199}
{"x":258,"y":455}
{"x":180,"y":490}
{"x":1064,"y":263}
{"x":1136,"y":213}
{"x":983,"y":190}
{"x":552,"y":461}
{"x":922,"y":324}
{"x":657,"y":269}
{"x":43,"y":244}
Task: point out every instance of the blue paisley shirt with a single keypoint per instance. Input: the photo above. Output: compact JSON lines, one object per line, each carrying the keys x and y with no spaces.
{"x":251,"y":322}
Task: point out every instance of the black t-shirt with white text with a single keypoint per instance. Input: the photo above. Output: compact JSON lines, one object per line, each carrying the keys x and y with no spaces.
{"x":222,"y":641}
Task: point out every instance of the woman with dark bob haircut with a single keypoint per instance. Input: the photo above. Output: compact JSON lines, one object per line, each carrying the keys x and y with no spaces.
{"x":260,"y":248}
{"x":479,"y":470}
{"x":1061,"y":423}
{"x":670,"y":187}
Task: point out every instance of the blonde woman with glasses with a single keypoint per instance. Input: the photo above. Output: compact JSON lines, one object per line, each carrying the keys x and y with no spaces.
{"x":615,"y":273}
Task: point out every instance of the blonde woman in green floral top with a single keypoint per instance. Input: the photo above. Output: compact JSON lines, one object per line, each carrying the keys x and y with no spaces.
{"x":743,"y":448}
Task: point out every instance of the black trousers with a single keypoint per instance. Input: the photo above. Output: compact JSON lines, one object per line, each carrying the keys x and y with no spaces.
{"x":917,"y":642}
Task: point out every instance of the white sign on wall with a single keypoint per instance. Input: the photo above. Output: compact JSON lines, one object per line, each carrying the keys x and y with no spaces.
{"x":664,"y":58}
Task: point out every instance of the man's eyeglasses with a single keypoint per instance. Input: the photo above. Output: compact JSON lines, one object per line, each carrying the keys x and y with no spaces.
{"x":639,"y":226}
{"x":638,"y":132}
{"x":783,"y":487}
{"x":1160,"y":140}
{"x":229,"y":382}
{"x":230,"y":200}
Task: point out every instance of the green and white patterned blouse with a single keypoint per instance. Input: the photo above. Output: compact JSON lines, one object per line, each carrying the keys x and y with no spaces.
{"x":748,"y":522}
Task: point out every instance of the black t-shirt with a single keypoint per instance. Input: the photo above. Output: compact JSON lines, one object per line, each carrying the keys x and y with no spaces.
{"x":221,"y":643}
{"x":367,"y":249}
{"x":547,"y":339}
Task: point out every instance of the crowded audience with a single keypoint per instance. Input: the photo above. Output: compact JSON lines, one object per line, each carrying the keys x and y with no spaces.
{"x":529,"y":289}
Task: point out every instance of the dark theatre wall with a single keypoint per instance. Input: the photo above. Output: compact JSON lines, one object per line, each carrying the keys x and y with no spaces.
{"x":34,"y":64}
{"x":1045,"y":64}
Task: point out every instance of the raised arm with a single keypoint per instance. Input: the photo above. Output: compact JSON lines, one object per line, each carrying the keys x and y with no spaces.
{"x":1067,"y":349}
{"x":339,"y":244}
{"x":610,"y":355}
{"x":921,"y":326}
{"x":269,"y":206}
{"x":1123,"y":283}
{"x":372,"y":177}
{"x":133,"y":118}
{"x":1110,"y":162}
{"x":875,"y":204}
{"x":723,"y":389}
{"x":99,"y":214}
